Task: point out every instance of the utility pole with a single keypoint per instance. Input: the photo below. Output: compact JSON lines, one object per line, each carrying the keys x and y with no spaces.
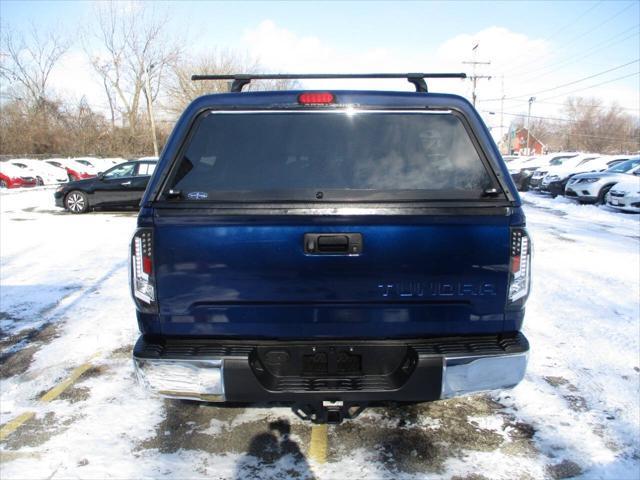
{"x":531,"y":100}
{"x":150,"y":110}
{"x":502,"y":106}
{"x":474,"y":78}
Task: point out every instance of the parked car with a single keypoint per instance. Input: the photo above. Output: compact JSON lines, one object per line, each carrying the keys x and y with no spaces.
{"x":120,"y":186}
{"x":104,"y":164}
{"x":76,"y":169}
{"x":593,"y":187}
{"x":43,"y":172}
{"x":91,"y":164}
{"x":545,"y":163}
{"x":625,"y":195}
{"x":556,"y":179}
{"x":523,"y":168}
{"x":327,"y":250}
{"x":115,"y":160}
{"x":15,"y":177}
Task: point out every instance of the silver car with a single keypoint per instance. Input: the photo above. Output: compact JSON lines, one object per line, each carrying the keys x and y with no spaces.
{"x":593,"y":187}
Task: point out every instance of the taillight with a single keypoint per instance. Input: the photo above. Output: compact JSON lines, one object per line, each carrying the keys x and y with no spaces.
{"x":142,"y":279}
{"x":519,"y":266}
{"x":316,"y":98}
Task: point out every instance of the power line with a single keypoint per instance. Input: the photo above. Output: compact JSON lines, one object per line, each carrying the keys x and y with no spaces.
{"x":593,"y":86}
{"x":555,"y":32}
{"x":515,"y":103}
{"x":591,"y":51}
{"x":532,"y":116}
{"x":572,"y":40}
{"x":630,"y":140}
{"x":580,"y":80}
{"x":561,"y":119}
{"x":591,"y":106}
{"x":569,"y":83}
{"x":567,"y":120}
{"x":622,"y":139}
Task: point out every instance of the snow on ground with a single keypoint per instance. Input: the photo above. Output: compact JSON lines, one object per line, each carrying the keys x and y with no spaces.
{"x":64,"y":301}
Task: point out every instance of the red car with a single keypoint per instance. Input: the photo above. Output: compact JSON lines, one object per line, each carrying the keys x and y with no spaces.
{"x":77,"y":169}
{"x":13,"y":177}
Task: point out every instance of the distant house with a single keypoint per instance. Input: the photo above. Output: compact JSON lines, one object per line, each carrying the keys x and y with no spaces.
{"x":518,"y":144}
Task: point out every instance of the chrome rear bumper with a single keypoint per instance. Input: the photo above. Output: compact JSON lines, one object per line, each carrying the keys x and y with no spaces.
{"x":432,"y":369}
{"x":472,"y":374}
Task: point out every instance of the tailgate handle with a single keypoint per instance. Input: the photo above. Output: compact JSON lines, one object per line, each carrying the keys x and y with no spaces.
{"x":339,"y":243}
{"x":333,"y":243}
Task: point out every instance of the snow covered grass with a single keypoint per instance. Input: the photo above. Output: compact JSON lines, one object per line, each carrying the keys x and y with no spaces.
{"x":576,"y":412}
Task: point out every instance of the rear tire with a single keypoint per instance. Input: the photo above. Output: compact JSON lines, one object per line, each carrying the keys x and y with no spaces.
{"x":76,"y":202}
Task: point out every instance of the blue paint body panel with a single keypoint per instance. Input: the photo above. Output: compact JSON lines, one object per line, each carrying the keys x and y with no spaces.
{"x":248,"y":276}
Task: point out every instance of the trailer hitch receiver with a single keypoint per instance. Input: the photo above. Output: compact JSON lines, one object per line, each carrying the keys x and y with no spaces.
{"x":327,"y":411}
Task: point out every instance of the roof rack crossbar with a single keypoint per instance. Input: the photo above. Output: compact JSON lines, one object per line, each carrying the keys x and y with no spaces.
{"x":240,"y":80}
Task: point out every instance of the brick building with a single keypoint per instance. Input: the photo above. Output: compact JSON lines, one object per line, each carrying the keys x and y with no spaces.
{"x":519,"y":143}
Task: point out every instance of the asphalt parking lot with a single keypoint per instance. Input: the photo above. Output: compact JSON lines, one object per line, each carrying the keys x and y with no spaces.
{"x":66,"y":315}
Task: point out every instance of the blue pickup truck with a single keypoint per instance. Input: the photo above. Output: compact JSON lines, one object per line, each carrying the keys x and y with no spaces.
{"x":330,"y":250}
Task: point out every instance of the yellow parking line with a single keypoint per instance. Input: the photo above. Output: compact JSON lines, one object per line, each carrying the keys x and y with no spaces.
{"x":319,"y":445}
{"x":11,"y":455}
{"x":12,"y":425}
{"x":61,"y":387}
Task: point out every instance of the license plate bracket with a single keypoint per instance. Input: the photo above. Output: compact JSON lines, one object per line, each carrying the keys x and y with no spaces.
{"x":332,"y":366}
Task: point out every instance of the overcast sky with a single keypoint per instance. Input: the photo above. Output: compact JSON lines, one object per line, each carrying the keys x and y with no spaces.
{"x":535,"y":46}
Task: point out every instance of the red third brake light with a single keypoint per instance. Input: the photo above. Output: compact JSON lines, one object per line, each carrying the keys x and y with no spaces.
{"x":316,"y":98}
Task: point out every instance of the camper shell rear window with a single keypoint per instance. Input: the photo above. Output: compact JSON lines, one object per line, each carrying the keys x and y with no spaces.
{"x":329,"y":155}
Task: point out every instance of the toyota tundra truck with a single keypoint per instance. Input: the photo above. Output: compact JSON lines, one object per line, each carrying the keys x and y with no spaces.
{"x":329,"y":250}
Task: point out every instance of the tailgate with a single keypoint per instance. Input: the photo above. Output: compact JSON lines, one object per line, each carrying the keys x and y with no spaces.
{"x":414,"y":277}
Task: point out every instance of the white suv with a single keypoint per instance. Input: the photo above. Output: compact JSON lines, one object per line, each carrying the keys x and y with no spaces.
{"x":593,"y":187}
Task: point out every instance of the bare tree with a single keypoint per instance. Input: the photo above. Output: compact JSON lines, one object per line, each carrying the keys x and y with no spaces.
{"x":595,"y":128}
{"x":181,"y":90}
{"x":588,"y":125}
{"x":134,"y":57}
{"x":27,"y":62}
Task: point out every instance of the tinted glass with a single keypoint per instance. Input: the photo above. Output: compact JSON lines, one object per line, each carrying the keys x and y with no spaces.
{"x":625,"y":166}
{"x":430,"y":155}
{"x":125,"y":170}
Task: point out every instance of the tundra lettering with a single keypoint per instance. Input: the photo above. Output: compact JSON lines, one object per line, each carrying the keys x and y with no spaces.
{"x":435,"y":289}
